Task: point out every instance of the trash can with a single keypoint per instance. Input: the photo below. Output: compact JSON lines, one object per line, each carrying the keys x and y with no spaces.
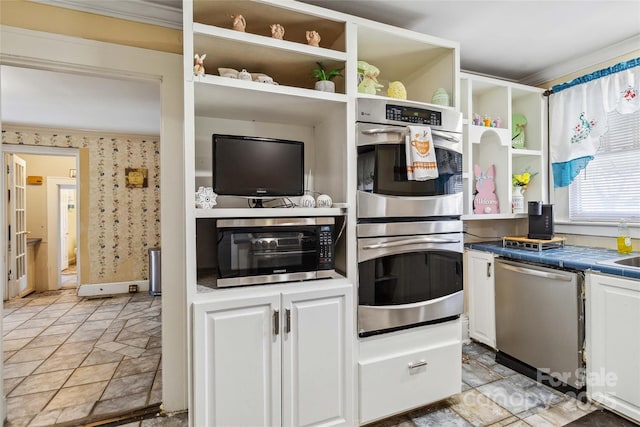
{"x":155,"y":282}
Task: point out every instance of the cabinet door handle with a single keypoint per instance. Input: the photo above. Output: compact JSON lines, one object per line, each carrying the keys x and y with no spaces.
{"x":488,"y":269}
{"x":287,"y":326}
{"x":419,"y":363}
{"x":276,"y":322}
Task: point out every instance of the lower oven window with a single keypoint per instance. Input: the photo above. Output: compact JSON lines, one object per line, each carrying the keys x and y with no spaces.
{"x":409,"y":278}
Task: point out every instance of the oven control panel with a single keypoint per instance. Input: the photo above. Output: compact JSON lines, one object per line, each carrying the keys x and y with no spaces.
{"x":407,"y":114}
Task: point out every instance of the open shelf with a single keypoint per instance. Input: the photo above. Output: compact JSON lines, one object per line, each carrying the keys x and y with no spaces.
{"x":260,"y":15}
{"x":241,"y":99}
{"x":288,"y":63}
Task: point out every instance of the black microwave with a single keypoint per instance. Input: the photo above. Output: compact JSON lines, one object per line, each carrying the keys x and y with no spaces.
{"x":255,"y":251}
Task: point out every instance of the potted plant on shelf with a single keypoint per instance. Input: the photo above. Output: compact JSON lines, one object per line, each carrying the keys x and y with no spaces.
{"x":325,"y":78}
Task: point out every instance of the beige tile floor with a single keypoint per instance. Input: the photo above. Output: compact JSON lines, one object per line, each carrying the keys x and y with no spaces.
{"x":68,"y":357}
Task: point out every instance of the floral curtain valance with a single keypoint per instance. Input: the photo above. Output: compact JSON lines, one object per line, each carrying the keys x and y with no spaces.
{"x":578,"y":115}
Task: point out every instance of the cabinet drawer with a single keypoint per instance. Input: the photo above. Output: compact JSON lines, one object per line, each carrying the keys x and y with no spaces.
{"x":403,"y":381}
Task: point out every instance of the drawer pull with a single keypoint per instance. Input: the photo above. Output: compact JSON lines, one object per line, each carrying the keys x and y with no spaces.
{"x":417,"y":364}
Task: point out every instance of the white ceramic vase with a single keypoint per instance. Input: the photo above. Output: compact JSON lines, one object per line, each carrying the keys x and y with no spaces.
{"x":517,"y":199}
{"x":325,"y":86}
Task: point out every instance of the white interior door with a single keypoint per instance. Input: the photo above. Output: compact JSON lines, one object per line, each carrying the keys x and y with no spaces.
{"x":63,"y":204}
{"x":17,"y":226}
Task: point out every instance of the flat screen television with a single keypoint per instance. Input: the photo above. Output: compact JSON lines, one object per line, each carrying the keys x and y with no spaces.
{"x":257,"y":168}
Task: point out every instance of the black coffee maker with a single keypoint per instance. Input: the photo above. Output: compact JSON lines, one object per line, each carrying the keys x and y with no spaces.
{"x":540,"y":221}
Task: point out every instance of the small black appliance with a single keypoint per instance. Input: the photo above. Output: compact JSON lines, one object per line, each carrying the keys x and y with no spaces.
{"x":540,"y":221}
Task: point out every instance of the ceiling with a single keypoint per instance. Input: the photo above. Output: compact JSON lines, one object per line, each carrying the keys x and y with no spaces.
{"x":530,"y":42}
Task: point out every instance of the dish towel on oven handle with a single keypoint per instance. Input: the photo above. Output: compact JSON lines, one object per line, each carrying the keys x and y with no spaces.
{"x":421,"y":155}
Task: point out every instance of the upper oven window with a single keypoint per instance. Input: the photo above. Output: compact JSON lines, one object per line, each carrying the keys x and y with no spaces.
{"x":382,"y":169}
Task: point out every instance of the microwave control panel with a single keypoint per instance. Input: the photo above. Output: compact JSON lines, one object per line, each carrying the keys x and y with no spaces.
{"x":421,"y":116}
{"x":325,"y":255}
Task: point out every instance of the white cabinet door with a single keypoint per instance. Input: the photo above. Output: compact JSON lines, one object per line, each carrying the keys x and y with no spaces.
{"x":479,"y":274}
{"x":613,"y":337}
{"x":237,"y":362}
{"x":317,"y":345}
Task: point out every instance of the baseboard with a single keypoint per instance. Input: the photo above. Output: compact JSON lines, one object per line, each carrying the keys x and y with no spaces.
{"x":100,"y":289}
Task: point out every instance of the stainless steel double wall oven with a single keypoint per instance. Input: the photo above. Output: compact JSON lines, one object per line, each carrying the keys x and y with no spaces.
{"x":409,"y":233}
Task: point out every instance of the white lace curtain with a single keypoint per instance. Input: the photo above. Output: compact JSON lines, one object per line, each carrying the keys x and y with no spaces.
{"x":578,"y":115}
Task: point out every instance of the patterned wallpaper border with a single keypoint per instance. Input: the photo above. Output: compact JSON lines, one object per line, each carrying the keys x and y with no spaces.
{"x":123,"y":222}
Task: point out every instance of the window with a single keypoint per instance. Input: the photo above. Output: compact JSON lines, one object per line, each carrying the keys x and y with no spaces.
{"x":608,"y":189}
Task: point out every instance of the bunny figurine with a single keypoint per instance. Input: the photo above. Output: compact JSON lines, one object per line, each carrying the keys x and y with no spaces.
{"x":198,"y":69}
{"x":485,"y":201}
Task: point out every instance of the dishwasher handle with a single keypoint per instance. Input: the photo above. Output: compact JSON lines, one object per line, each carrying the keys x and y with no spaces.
{"x":537,"y":273}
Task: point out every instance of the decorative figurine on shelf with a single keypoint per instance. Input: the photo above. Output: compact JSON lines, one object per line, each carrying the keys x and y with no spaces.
{"x":244,"y":75}
{"x":440,"y":97}
{"x":313,"y":38}
{"x":369,"y":75}
{"x":324,"y":201}
{"x":397,"y":90}
{"x":205,"y":198}
{"x":485,"y":201}
{"x":239,"y":23}
{"x":198,"y":69}
{"x":307,"y":201}
{"x":277,"y":31}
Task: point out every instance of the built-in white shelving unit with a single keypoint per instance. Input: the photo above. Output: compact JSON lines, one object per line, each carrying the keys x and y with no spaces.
{"x":325,"y":122}
{"x":486,"y":146}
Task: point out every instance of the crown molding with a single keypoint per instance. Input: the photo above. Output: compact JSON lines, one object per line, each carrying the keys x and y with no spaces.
{"x":575,"y":65}
{"x":132,"y":10}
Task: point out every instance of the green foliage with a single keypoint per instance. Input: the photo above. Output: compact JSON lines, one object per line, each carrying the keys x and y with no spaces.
{"x":321,"y":72}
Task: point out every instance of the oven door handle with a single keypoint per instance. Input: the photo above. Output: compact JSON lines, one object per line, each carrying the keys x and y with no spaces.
{"x":376,"y":131}
{"x":411,"y":241}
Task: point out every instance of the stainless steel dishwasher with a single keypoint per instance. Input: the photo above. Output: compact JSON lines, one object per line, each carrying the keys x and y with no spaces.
{"x":540,"y":322}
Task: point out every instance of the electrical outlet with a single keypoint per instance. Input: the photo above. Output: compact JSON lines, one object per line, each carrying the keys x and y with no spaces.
{"x":133,"y":289}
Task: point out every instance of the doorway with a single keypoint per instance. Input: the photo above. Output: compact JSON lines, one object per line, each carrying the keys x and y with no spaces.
{"x":67,"y":232}
{"x":25,"y":48}
{"x":102,"y":344}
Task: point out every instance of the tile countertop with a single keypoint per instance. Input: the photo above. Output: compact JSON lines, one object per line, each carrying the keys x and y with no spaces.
{"x":575,"y":257}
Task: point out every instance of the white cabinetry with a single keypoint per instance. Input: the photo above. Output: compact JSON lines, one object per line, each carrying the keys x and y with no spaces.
{"x":407,"y":369}
{"x":480,"y":286}
{"x":613,"y":343}
{"x":276,"y":357}
{"x":486,"y":146}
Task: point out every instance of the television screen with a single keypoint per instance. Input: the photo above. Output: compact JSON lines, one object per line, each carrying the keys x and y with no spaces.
{"x":256,"y":167}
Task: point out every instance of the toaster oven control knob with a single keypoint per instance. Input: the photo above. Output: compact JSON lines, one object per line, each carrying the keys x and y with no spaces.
{"x":272,"y":244}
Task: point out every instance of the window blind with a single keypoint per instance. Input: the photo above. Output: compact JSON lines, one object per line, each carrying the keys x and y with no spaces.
{"x":609,"y":188}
